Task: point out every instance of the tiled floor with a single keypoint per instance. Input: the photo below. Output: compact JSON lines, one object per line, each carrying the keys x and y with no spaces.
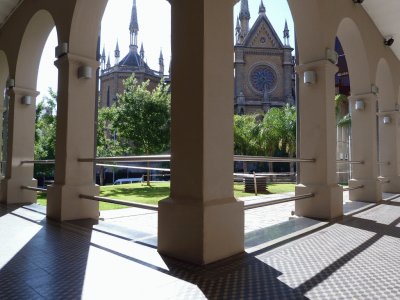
{"x":356,"y":258}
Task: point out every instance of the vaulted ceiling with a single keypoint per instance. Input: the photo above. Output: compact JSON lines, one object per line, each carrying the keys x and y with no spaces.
{"x":384,"y":13}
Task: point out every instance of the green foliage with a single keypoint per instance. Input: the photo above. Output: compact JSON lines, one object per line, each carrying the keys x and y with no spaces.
{"x":276,"y":130}
{"x":343,"y":118}
{"x":45,"y":134}
{"x":142,"y":117}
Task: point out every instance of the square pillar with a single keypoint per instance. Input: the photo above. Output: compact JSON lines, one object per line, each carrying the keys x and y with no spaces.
{"x":389,"y":129}
{"x":20,"y":146}
{"x":74,"y":139}
{"x":318,"y":141}
{"x":364,"y":148}
{"x":201,"y":222}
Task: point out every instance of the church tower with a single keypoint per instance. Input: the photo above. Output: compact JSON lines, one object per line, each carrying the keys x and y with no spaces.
{"x":263,"y":64}
{"x":112,"y":77}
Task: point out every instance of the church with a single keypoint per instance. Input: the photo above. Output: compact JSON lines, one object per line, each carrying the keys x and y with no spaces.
{"x":112,"y":76}
{"x":264,"y":66}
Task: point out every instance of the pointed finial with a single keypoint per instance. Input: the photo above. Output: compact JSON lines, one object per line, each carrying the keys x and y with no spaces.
{"x":142,"y":51}
{"x":161,"y":55}
{"x":134,"y":25}
{"x":108,"y":62}
{"x":237,"y":24}
{"x":244,"y":10}
{"x":261,"y":9}
{"x":286,"y":34}
{"x":103,"y":54}
{"x":161,"y":62}
{"x":117,"y":53}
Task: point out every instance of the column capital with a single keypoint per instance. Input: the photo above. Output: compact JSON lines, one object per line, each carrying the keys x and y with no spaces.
{"x":23,"y":91}
{"x":322,"y":64}
{"x":77,"y":59}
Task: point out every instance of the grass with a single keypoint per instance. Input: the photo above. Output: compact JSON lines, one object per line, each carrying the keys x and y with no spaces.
{"x":159,"y":190}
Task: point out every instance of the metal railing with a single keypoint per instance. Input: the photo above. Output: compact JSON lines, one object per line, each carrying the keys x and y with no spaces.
{"x":143,"y":158}
{"x":383,"y":162}
{"x":134,"y":167}
{"x":353,"y":188}
{"x":277,"y":201}
{"x":350,"y":162}
{"x":383,"y":180}
{"x":39,"y":162}
{"x":33,"y":188}
{"x":271,"y":159}
{"x":120,"y":202}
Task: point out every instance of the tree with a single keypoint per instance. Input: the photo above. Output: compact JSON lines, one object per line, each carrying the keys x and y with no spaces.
{"x":142,"y":118}
{"x":45,"y":134}
{"x":245,"y":136}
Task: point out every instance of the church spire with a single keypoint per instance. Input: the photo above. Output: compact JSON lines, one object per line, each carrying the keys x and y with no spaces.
{"x":237,"y":31}
{"x":134,"y":27}
{"x":117,"y":54}
{"x":261,"y":9}
{"x":161,"y":62}
{"x":108,"y":62}
{"x":103,"y":58}
{"x":244,"y":17}
{"x":142,"y":52}
{"x":286,"y":35}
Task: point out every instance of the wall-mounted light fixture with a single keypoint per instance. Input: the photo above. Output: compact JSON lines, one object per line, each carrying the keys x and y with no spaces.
{"x":85,"y":72}
{"x":358,"y":1}
{"x":332,"y":56}
{"x":61,"y":50}
{"x":374,"y":89}
{"x":388,"y":41}
{"x":26,"y":100}
{"x":359,"y":105}
{"x":310,"y":77}
{"x":10,"y":83}
{"x":387,"y":120}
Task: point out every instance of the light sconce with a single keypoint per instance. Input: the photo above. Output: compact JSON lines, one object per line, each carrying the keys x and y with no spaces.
{"x":359,"y":105}
{"x":387,"y":120}
{"x":332,"y":56}
{"x":10,"y":83}
{"x":26,"y":100}
{"x":374,"y":89}
{"x":61,"y":50}
{"x":358,"y":1}
{"x":388,"y":42}
{"x":85,"y":72}
{"x":310,"y":77}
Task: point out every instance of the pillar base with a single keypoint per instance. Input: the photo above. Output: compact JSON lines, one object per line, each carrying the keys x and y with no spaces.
{"x":371,"y":192}
{"x":327,"y":204}
{"x":393,"y":186}
{"x":63,"y":202}
{"x":12,"y":193}
{"x":201,"y":233}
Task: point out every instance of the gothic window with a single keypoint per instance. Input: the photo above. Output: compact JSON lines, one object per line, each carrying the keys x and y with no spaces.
{"x":263,"y":78}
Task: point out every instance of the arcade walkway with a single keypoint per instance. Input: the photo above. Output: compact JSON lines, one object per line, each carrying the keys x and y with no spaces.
{"x":354,"y":258}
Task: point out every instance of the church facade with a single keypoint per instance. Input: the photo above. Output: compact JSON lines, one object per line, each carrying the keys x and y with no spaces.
{"x":112,"y":76}
{"x":264,"y":66}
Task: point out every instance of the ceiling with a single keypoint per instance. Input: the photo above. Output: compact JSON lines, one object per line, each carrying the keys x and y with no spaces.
{"x":6,"y":8}
{"x":384,"y":13}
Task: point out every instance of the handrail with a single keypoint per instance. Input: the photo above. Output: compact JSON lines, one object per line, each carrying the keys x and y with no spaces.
{"x":40,"y":162}
{"x":383,"y":162}
{"x":143,"y":158}
{"x":383,"y":181}
{"x":32,"y":188}
{"x":353,"y":188}
{"x":351,"y":162}
{"x":278,"y":201}
{"x":121,"y":202}
{"x":271,"y":159}
{"x":134,"y":167}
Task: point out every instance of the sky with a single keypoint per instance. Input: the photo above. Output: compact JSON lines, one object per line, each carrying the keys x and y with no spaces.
{"x":154,"y":32}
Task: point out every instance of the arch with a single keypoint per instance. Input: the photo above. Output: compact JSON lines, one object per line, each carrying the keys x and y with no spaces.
{"x":306,"y":18}
{"x":32,"y":44}
{"x":384,"y":81}
{"x":85,"y":27}
{"x":356,"y":56}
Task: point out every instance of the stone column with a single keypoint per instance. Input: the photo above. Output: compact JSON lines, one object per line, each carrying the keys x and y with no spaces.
{"x":364,"y":148}
{"x":389,"y":123}
{"x":74,"y":139}
{"x":318,"y":141}
{"x":20,"y":146}
{"x":201,"y":222}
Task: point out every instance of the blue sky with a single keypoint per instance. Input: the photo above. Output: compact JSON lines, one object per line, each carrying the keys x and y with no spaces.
{"x":154,"y":32}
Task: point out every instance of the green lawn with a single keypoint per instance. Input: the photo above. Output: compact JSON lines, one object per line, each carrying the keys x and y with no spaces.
{"x":151,"y":195}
